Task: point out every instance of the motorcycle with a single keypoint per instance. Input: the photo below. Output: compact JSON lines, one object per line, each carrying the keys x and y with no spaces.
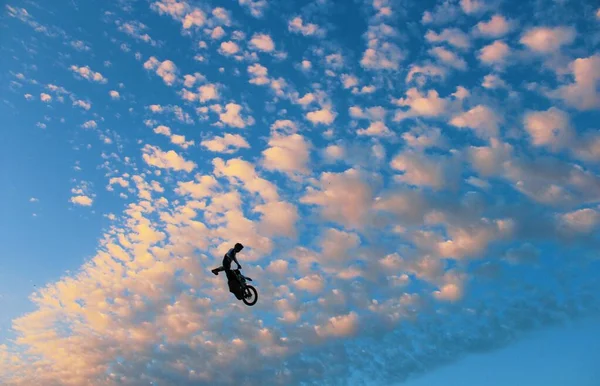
{"x":238,"y":285}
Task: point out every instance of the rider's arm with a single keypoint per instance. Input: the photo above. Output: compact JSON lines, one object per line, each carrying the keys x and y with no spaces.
{"x":234,"y":258}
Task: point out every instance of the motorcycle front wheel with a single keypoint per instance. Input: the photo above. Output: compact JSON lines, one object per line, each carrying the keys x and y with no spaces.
{"x":250,"y":296}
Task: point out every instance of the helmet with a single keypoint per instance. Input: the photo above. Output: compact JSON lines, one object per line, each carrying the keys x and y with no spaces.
{"x":238,"y":247}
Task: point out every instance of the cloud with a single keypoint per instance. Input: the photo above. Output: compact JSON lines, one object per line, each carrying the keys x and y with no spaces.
{"x":167,"y":70}
{"x":208,"y":92}
{"x":420,"y":74}
{"x":421,"y":105}
{"x":229,"y":48}
{"x":154,"y":156}
{"x":336,"y":246}
{"x":376,"y":129}
{"x":524,"y":254}
{"x":582,"y":94}
{"x":258,"y":74}
{"x":549,"y":128}
{"x":115,"y":95}
{"x":278,"y":219}
{"x":545,"y":40}
{"x":448,"y":57}
{"x":82,"y":200}
{"x":471,"y":7}
{"x":229,"y":143}
{"x":45,"y":98}
{"x":452,"y":36}
{"x":582,"y":220}
{"x":313,"y":283}
{"x":262,"y":42}
{"x":419,"y":169}
{"x":495,"y":53}
{"x":136,"y":30}
{"x":496,"y":27}
{"x":87,"y":73}
{"x":298,"y":26}
{"x":238,"y":169}
{"x":91,"y":124}
{"x":344,"y":197}
{"x":493,"y":81}
{"x":423,"y":137}
{"x":382,"y":55}
{"x":83,"y":104}
{"x":288,"y":154}
{"x":231,"y":117}
{"x":339,"y":326}
{"x":482,"y":119}
{"x":217,"y":33}
{"x":256,"y":7}
{"x":443,"y":13}
{"x":324,"y":116}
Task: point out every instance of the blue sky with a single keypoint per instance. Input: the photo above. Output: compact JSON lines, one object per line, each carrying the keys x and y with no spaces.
{"x":415,"y":184}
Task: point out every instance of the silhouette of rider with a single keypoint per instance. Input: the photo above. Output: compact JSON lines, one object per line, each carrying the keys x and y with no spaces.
{"x":230,"y":256}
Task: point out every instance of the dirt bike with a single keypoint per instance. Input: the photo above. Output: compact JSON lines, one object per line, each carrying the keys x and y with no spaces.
{"x":239,"y":287}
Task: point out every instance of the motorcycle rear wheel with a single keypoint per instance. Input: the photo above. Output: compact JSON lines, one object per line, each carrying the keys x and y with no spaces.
{"x":250,"y":296}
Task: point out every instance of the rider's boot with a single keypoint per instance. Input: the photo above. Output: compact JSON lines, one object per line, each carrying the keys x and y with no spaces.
{"x":215,"y":271}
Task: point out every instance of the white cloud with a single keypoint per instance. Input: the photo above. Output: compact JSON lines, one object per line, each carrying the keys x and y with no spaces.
{"x":421,"y":73}
{"x":334,"y":153}
{"x":298,"y":26}
{"x":114,"y":95}
{"x":262,"y":42}
{"x":289,"y":154}
{"x":83,"y":104}
{"x":208,"y":92}
{"x":493,"y":81}
{"x":547,"y":40}
{"x":549,"y":128}
{"x":583,"y":93}
{"x":449,"y":57}
{"x":89,"y":124}
{"x":256,"y":7}
{"x":45,"y":97}
{"x":136,"y":30}
{"x":278,"y":219}
{"x":217,"y":33}
{"x":382,"y":56}
{"x":244,"y":171}
{"x":336,"y":244}
{"x":429,"y":105}
{"x":471,"y":7}
{"x":231,"y":116}
{"x":154,"y":156}
{"x":258,"y":74}
{"x":229,"y":143}
{"x":496,"y":27}
{"x":196,"y":18}
{"x":229,"y":48}
{"x":452,"y":36}
{"x":344,"y":197}
{"x":495,"y":53}
{"x":376,"y":129}
{"x":349,"y":81}
{"x":324,"y":116}
{"x":483,"y":120}
{"x":313,"y":283}
{"x":339,"y":326}
{"x":87,"y":73}
{"x":167,"y":70}
{"x":582,"y":220}
{"x":419,"y":169}
{"x":82,"y":200}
